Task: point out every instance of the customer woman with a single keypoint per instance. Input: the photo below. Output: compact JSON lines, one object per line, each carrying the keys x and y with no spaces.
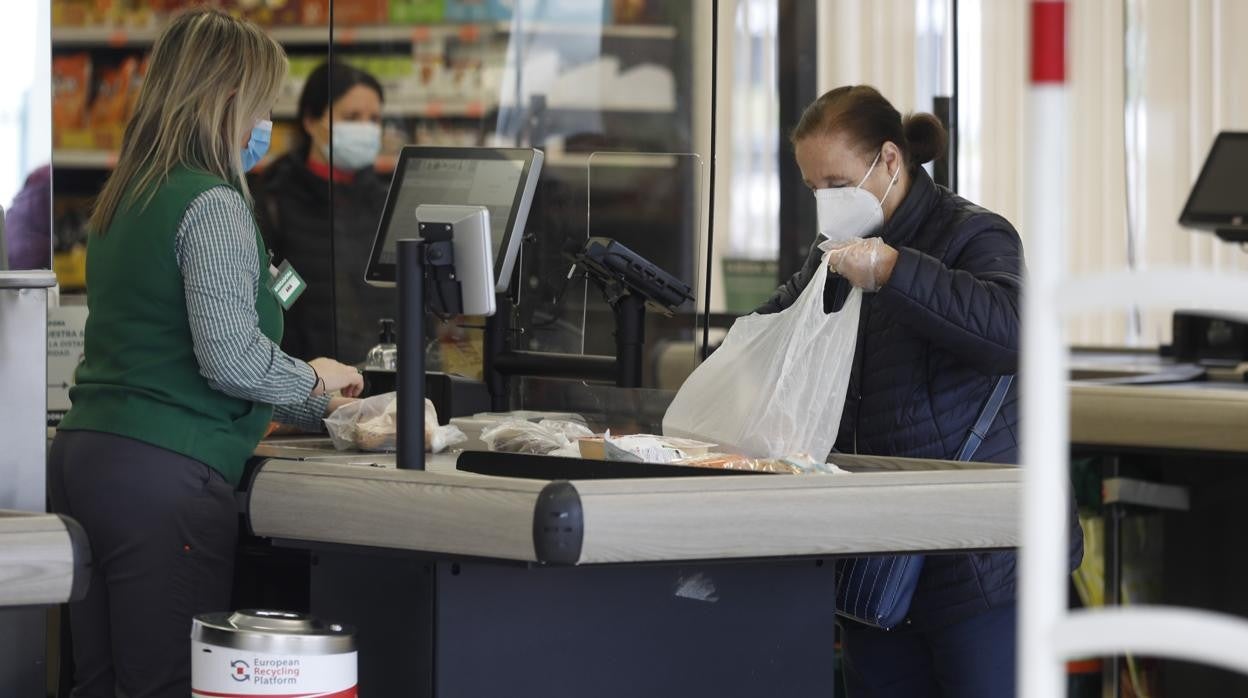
{"x":339,"y":115}
{"x":939,"y":323}
{"x":182,"y":372}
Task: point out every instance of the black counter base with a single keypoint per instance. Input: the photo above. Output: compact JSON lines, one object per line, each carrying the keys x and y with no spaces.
{"x":472,"y":629}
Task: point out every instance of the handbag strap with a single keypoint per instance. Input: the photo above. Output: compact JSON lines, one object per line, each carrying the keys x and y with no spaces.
{"x":987,"y":416}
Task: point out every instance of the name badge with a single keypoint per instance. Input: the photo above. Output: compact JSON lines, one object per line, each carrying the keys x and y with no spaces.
{"x":287,"y":285}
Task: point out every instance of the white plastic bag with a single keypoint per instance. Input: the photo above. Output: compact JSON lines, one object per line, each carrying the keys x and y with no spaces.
{"x":371,"y":424}
{"x":777,"y":384}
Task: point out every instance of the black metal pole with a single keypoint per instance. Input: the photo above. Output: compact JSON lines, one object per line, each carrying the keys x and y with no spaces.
{"x":710,"y":209}
{"x":497,"y":327}
{"x":410,"y":451}
{"x":797,"y":78}
{"x":630,"y":340}
{"x":954,"y":96}
{"x":333,"y":218}
{"x":1111,"y":671}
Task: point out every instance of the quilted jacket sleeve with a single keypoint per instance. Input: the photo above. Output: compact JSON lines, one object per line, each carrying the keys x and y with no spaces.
{"x":972,"y":308}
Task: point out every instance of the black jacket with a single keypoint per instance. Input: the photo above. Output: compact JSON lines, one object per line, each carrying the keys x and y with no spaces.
{"x":931,"y":345}
{"x":292,"y":206}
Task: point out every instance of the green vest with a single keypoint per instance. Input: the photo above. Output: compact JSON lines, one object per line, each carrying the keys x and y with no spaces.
{"x":139,"y":377}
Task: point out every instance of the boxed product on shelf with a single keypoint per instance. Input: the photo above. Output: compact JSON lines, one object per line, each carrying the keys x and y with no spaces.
{"x":316,"y":12}
{"x":136,"y":84}
{"x":475,"y":11}
{"x":631,"y":11}
{"x":111,"y":107}
{"x":71,"y":88}
{"x":416,"y":11}
{"x":71,"y":13}
{"x":263,"y":12}
{"x":562,"y":11}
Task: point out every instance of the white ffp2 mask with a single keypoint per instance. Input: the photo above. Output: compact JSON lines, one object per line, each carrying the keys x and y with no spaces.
{"x":355,"y":144}
{"x":846,"y":213}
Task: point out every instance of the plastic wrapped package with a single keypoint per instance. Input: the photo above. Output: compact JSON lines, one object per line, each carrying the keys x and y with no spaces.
{"x":541,"y":439}
{"x":640,"y":448}
{"x":371,"y":424}
{"x":644,"y":447}
{"x":789,"y":465}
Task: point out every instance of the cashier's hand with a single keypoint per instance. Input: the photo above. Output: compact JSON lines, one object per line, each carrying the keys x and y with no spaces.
{"x":867,"y":264}
{"x":336,"y":377}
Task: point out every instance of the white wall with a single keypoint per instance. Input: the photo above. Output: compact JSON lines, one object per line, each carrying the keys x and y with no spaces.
{"x":25,"y":93}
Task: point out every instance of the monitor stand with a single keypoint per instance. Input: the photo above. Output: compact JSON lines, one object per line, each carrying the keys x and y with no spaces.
{"x":624,"y":369}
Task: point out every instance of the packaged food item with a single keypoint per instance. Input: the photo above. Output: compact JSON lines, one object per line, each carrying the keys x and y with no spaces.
{"x":71,"y":85}
{"x":542,"y":439}
{"x":111,"y":107}
{"x":136,"y":86}
{"x":70,"y":13}
{"x":355,"y":12}
{"x":639,"y":448}
{"x":416,"y":11}
{"x":371,"y":424}
{"x":595,"y":447}
{"x":727,"y":461}
{"x":789,"y":465}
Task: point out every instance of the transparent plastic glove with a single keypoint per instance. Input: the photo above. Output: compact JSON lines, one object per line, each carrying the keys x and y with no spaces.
{"x":867,"y":264}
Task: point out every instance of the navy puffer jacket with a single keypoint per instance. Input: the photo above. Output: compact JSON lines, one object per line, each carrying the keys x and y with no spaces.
{"x":931,"y":344}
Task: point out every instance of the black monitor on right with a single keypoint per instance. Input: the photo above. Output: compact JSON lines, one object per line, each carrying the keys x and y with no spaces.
{"x":1219,"y":200}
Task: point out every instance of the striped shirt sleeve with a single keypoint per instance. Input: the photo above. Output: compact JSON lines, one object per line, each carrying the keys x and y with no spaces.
{"x":216,"y":252}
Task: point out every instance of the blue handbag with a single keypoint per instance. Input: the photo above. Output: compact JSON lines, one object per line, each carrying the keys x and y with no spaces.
{"x":877,"y":590}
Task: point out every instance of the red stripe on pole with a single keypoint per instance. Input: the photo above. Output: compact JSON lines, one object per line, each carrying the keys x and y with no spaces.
{"x":1048,"y":41}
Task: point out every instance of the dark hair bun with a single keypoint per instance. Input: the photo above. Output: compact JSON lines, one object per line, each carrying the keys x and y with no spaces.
{"x":926,"y":137}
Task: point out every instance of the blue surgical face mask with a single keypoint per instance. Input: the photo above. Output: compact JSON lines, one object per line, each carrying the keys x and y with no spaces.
{"x":257,"y":144}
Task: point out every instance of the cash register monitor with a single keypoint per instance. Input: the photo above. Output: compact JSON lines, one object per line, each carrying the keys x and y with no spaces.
{"x":1219,"y":200}
{"x":501,"y":179}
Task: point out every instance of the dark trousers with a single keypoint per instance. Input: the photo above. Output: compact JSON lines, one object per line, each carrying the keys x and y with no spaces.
{"x":970,"y":659}
{"x":163,"y":529}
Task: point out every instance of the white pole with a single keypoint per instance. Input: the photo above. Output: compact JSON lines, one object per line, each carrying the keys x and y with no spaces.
{"x":1043,"y":558}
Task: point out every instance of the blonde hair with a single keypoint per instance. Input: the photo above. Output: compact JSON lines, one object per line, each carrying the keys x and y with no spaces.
{"x":209,"y":79}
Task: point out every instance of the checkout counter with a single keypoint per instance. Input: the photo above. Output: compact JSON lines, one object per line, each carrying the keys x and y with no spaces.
{"x":1168,"y":437}
{"x":43,"y":559}
{"x":493,"y":574}
{"x":463,"y":584}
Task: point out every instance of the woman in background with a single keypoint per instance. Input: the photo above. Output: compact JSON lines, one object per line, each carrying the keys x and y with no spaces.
{"x":330,"y":249}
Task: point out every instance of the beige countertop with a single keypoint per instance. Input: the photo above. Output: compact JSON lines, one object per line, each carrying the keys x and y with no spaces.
{"x":41,"y":559}
{"x":356,"y":500}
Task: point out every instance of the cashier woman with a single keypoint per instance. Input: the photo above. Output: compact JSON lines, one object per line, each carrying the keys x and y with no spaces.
{"x":939,"y":323}
{"x":182,"y":372}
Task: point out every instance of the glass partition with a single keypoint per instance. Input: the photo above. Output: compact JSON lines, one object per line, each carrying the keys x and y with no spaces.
{"x":569,"y":77}
{"x":587,"y":83}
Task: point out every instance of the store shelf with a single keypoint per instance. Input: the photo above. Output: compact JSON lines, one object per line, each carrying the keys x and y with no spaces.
{"x":623,"y":31}
{"x":107,"y":159}
{"x":612,"y":159}
{"x":123,"y":37}
{"x":84,"y":159}
{"x":421,"y":109}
